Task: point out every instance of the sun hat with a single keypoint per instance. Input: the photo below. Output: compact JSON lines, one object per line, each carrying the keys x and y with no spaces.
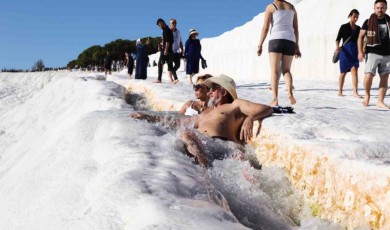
{"x":193,"y":31}
{"x":224,"y":81}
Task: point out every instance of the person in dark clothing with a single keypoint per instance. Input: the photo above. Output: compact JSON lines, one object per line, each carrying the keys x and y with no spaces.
{"x":167,"y":48}
{"x":348,"y":53}
{"x":142,"y":60}
{"x":107,"y":63}
{"x":193,"y":54}
{"x":161,"y":62}
{"x":129,"y":63}
{"x":376,"y":31}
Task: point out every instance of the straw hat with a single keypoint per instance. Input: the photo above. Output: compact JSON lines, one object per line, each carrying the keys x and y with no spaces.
{"x":224,"y":81}
{"x":193,"y":31}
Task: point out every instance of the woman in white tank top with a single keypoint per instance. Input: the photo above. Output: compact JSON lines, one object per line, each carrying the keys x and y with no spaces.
{"x":195,"y":107}
{"x":281,"y":16}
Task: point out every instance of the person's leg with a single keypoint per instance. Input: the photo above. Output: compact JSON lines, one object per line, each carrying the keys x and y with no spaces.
{"x":286,"y":70}
{"x":176,"y":65}
{"x":191,"y":75}
{"x":355,"y":80}
{"x":275,"y":59}
{"x":160,"y":66}
{"x":176,"y":61}
{"x":170,"y":68}
{"x":341,"y":84}
{"x":383,"y":84}
{"x":367,"y":88}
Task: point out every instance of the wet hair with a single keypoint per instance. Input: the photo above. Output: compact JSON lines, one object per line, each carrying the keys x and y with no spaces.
{"x":204,"y":77}
{"x":354,"y":11}
{"x":378,"y":1}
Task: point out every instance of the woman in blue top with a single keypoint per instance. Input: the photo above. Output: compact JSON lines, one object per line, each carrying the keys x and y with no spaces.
{"x":192,"y":54}
{"x":349,"y":52}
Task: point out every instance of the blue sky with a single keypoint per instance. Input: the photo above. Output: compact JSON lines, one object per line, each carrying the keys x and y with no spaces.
{"x":58,"y":31}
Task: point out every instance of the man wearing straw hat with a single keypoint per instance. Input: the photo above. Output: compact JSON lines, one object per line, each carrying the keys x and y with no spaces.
{"x":227,"y":118}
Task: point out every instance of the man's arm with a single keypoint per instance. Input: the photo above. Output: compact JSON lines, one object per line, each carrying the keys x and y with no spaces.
{"x":167,"y":120}
{"x":362,"y":34}
{"x":253,"y":112}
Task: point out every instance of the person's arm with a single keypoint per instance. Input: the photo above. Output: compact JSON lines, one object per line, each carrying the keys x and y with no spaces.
{"x":167,"y":120}
{"x":362,"y":34}
{"x":296,"y":32}
{"x":338,"y":39}
{"x":253,"y":112}
{"x":184,"y":107}
{"x":264,"y":31}
{"x":200,"y":51}
{"x":181,"y":45}
{"x":186,"y":50}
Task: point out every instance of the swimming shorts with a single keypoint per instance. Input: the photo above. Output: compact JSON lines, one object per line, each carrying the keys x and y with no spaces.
{"x":282,"y":46}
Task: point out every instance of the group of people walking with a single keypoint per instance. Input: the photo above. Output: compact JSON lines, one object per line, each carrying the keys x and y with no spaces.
{"x":371,"y":43}
{"x":281,"y":22}
{"x":172,"y":50}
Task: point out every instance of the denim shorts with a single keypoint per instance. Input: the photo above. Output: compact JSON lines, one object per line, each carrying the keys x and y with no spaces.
{"x":380,"y":62}
{"x":282,"y":46}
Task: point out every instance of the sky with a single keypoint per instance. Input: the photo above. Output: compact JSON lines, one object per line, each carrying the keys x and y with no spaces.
{"x":58,"y":31}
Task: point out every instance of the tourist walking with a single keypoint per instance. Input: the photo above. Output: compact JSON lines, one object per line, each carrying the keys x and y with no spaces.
{"x":142,"y":60}
{"x":283,"y":44}
{"x":177,"y":48}
{"x":376,"y":31}
{"x":193,"y":54}
{"x":107,"y":63}
{"x":129,"y":63}
{"x":348,"y":52}
{"x":167,"y":47}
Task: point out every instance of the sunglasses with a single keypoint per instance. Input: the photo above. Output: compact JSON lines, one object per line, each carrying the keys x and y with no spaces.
{"x":197,"y":87}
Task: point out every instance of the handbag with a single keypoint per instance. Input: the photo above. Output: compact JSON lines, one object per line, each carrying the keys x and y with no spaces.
{"x":336,"y":55}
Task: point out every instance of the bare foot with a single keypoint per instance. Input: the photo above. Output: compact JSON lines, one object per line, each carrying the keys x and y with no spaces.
{"x":175,"y":81}
{"x":274,"y":103}
{"x":340,"y":94}
{"x":382,"y":105}
{"x":156,"y":81}
{"x":292,"y":100}
{"x":357,"y":95}
{"x":365,"y":101}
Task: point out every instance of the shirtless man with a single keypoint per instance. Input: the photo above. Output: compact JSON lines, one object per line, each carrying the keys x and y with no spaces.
{"x":227,"y":118}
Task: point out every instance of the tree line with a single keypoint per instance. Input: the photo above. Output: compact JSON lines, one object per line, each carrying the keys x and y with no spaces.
{"x":94,"y":55}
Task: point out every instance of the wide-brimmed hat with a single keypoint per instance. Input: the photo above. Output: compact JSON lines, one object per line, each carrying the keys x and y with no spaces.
{"x":193,"y":31}
{"x":224,"y":81}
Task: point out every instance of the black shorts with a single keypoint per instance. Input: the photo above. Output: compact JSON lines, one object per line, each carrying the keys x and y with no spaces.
{"x":283,"y":46}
